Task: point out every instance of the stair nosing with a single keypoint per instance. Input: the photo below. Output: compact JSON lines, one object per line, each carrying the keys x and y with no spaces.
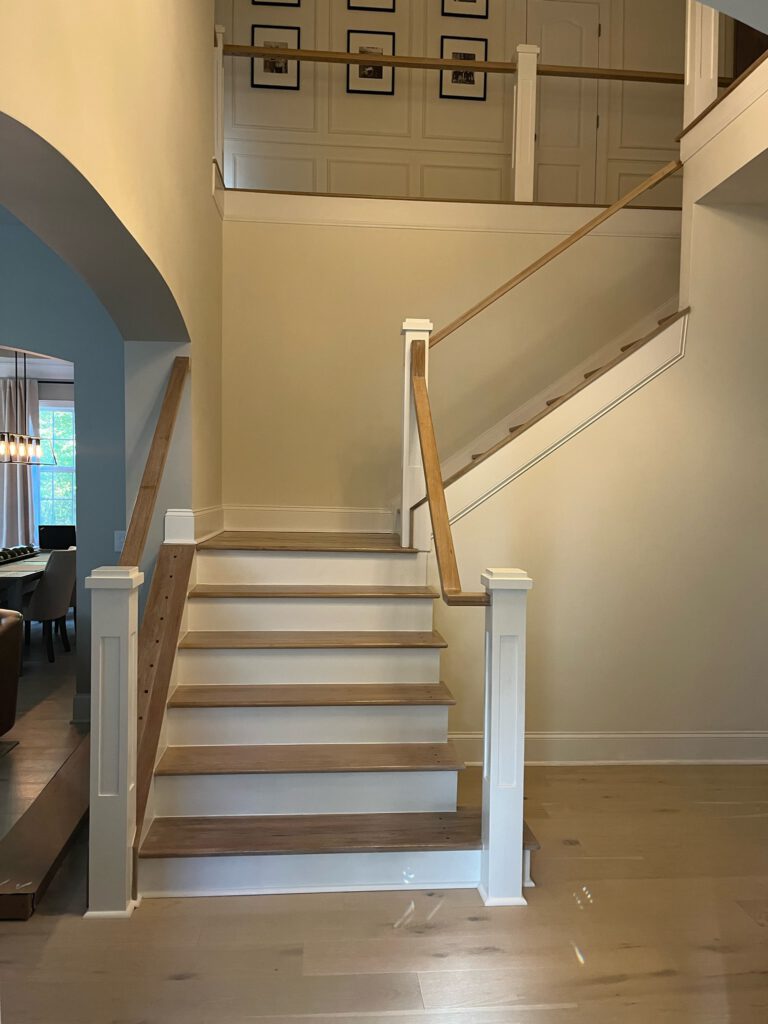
{"x":221,"y":639}
{"x":217,"y":766}
{"x":212,"y":591}
{"x":445,"y":698}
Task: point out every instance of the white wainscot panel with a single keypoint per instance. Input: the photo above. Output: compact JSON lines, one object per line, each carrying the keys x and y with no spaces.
{"x":623,"y":175}
{"x":559,"y":183}
{"x":368,"y":178}
{"x":369,"y":115}
{"x":283,"y":173}
{"x":462,"y":183}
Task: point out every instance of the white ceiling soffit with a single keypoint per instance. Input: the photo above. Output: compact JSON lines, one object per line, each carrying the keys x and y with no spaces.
{"x":52,"y":198}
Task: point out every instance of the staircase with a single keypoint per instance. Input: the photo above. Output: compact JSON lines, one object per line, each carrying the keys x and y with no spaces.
{"x":306,"y":737}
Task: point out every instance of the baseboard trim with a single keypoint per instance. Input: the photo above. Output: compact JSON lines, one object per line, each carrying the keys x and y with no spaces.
{"x":584,"y":748}
{"x":208,"y":522}
{"x":309,"y":518}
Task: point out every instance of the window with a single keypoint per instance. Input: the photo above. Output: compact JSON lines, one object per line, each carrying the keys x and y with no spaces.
{"x":56,"y":483}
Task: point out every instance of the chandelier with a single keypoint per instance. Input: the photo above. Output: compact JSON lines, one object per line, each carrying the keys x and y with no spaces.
{"x":16,"y":446}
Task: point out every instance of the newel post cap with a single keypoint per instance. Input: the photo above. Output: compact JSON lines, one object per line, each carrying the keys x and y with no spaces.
{"x":115,"y":577}
{"x":506,"y":579}
{"x":417,"y":325}
{"x":528,"y":48}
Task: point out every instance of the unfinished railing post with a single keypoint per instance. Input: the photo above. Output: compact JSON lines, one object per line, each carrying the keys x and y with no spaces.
{"x":413,"y":487}
{"x":701,"y":58}
{"x":501,"y":868}
{"x":114,"y":666}
{"x":524,"y":138}
{"x":218,"y":96}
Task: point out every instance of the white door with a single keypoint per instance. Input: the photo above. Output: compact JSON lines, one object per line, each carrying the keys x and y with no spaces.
{"x":568,"y":33}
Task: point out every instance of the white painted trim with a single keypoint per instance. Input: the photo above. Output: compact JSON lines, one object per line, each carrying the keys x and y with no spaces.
{"x":102,"y":914}
{"x":319,"y":519}
{"x":513,"y":901}
{"x":552,"y":748}
{"x":304,"y":890}
{"x":564,"y":748}
{"x":208,"y":521}
{"x":562,"y":424}
{"x":180,"y":525}
{"x":574,"y":376}
{"x":432,"y":215}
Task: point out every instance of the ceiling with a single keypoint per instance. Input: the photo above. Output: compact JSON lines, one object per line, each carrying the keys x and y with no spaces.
{"x":747,"y":187}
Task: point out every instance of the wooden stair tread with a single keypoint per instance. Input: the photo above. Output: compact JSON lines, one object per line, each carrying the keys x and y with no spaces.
{"x":312,"y":833}
{"x":291,"y":695}
{"x":287,"y":639}
{"x":554,"y":403}
{"x":277,"y":540}
{"x":293,"y":758}
{"x":266,"y":590}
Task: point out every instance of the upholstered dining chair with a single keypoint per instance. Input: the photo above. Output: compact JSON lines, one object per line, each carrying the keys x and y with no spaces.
{"x":50,"y":600}
{"x":10,"y":663}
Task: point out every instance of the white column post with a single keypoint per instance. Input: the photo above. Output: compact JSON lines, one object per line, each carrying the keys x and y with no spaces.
{"x":114,"y":670}
{"x":218,"y":96}
{"x":413,"y":487}
{"x":524,"y":137}
{"x":501,"y":867}
{"x":701,"y":58}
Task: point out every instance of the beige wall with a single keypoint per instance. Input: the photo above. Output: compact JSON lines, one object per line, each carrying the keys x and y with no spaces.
{"x":312,"y":318}
{"x":644,"y":535}
{"x":124,"y":91}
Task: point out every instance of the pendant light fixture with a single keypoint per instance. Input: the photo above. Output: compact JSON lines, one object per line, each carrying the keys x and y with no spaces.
{"x":16,"y":445}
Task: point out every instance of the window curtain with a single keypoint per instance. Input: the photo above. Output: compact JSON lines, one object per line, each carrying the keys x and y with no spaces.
{"x":17,"y":514}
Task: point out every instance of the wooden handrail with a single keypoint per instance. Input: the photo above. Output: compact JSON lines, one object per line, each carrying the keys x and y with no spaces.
{"x":499,"y":67}
{"x":561,"y":247}
{"x":450,"y":582}
{"x":141,"y":517}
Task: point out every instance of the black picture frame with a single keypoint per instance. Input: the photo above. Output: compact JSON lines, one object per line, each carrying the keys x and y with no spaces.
{"x":366,"y":6}
{"x":276,"y":3}
{"x":452,"y":13}
{"x":478,"y":98}
{"x":295,"y":85}
{"x":353,"y":68}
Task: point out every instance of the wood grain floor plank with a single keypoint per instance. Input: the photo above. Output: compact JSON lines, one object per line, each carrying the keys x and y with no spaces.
{"x":299,"y":591}
{"x":293,"y":758}
{"x":277,"y":639}
{"x":290,"y":695}
{"x":277,"y":540}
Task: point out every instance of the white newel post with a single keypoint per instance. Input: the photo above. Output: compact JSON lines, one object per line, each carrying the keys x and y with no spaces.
{"x":524,"y":137}
{"x":701,"y":58}
{"x":413,"y":486}
{"x":501,"y":868}
{"x":114,"y":670}
{"x":218,"y":96}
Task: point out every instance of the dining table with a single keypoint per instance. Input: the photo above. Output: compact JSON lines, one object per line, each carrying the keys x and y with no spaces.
{"x":19,"y":577}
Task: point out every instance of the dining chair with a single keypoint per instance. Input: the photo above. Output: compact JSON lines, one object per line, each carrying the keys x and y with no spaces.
{"x":10,"y":662}
{"x":50,"y":600}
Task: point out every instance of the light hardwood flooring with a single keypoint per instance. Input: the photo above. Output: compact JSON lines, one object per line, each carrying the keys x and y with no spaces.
{"x":651,"y":908}
{"x":43,"y":731}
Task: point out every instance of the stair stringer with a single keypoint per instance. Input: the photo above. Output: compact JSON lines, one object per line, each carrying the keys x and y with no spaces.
{"x":497,"y":471}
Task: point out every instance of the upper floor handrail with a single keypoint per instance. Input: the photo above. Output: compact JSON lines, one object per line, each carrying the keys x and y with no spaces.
{"x":561,"y":247}
{"x":450,"y":581}
{"x":141,"y":517}
{"x":501,"y":67}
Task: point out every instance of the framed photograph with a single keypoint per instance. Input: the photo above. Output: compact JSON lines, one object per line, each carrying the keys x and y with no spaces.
{"x":276,"y":3}
{"x":466,"y":8}
{"x":275,"y":72}
{"x":459,"y":84}
{"x":371,"y":77}
{"x":370,"y":5}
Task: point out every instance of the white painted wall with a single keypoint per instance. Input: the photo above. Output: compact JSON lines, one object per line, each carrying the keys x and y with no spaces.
{"x":315,"y":292}
{"x":644,"y":536}
{"x":416,"y":144}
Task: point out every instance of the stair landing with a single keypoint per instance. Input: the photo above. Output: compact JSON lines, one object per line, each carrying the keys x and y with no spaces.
{"x":275,"y":540}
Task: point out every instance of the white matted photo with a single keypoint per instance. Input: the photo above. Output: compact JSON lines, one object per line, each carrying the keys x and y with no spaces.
{"x":370,"y":5}
{"x":466,"y":8}
{"x":275,"y":72}
{"x":372,"y":78}
{"x":459,"y":83}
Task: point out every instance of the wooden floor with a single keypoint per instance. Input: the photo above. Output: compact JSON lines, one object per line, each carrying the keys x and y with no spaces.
{"x":652,"y":908}
{"x":281,"y":540}
{"x":323,"y":639}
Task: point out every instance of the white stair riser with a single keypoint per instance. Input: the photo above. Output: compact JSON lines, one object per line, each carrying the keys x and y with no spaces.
{"x":305,"y":793}
{"x":312,"y":613}
{"x":310,"y":568}
{"x":398,"y":665}
{"x":254,"y":726}
{"x":342,"y":872}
